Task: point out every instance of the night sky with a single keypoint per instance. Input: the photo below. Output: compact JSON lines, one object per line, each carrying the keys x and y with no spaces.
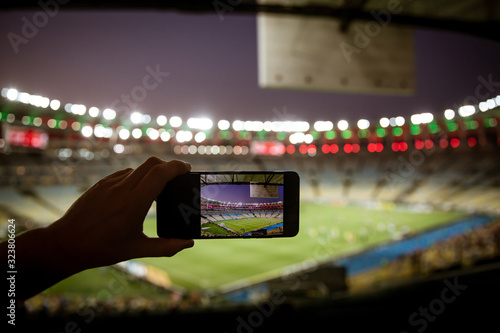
{"x":94,"y":57}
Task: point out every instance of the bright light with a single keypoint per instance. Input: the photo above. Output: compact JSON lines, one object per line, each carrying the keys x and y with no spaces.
{"x":161,"y":120}
{"x":289,"y":126}
{"x":449,"y":114}
{"x":308,"y":138}
{"x":466,"y":110}
{"x":136,"y":133}
{"x":422,"y":118}
{"x":175,"y":121}
{"x":255,"y":126}
{"x":400,"y":121}
{"x":238,"y":125}
{"x":152,"y":133}
{"x":343,"y":125}
{"x":109,"y":114}
{"x":146,"y":118}
{"x":12,"y":94}
{"x":483,"y":106}
{"x":23,"y":97}
{"x":384,"y":122}
{"x":136,"y":117}
{"x":223,"y":125}
{"x":491,"y":103}
{"x":87,"y":131}
{"x":78,"y":109}
{"x":183,"y":136}
{"x":296,"y":138}
{"x":124,"y":133}
{"x":200,"y":123}
{"x":118,"y":148}
{"x":55,"y":104}
{"x":200,"y":137}
{"x":363,"y":124}
{"x":165,"y":136}
{"x":323,"y":126}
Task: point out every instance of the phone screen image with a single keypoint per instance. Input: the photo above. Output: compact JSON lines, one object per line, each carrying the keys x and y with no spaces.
{"x":241,"y":205}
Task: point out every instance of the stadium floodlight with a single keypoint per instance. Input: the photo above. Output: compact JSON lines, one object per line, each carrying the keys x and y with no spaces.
{"x":175,"y":121}
{"x":87,"y":131}
{"x":152,"y":133}
{"x":123,"y":133}
{"x":93,"y":112}
{"x":223,"y":124}
{"x":200,"y":137}
{"x":136,"y":133}
{"x":164,"y":136}
{"x":109,"y":114}
{"x":343,"y":125}
{"x":449,"y":114}
{"x":363,"y":124}
{"x":323,"y":126}
{"x":384,"y":122}
{"x":136,"y":117}
{"x":200,"y":123}
{"x":55,"y":104}
{"x":161,"y":120}
{"x":238,"y":125}
{"x":466,"y":110}
{"x":12,"y":94}
{"x":400,"y":121}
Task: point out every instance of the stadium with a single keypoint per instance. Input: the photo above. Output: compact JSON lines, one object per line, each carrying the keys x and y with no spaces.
{"x":399,"y":214}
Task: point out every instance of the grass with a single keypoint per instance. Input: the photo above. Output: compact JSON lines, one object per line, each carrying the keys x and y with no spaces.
{"x":326,"y":231}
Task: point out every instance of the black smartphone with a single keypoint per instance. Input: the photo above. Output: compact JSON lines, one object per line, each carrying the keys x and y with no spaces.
{"x":243,"y":204}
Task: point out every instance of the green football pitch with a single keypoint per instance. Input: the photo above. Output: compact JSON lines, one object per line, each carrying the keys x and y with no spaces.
{"x":326,"y":231}
{"x":240,"y":225}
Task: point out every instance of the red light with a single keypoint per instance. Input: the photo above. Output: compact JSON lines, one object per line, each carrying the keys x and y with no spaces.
{"x":455,"y":142}
{"x":403,"y":146}
{"x":429,"y":144}
{"x":395,"y":146}
{"x":372,"y":147}
{"x":443,"y":143}
{"x":355,"y":148}
{"x":290,"y":149}
{"x":471,"y":142}
{"x":334,"y":148}
{"x":380,"y":147}
{"x":419,"y":144}
{"x":303,"y":149}
{"x":348,"y":148}
{"x":311,"y":149}
{"x":325,"y":149}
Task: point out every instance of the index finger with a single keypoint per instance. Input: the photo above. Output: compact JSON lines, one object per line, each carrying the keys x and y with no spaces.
{"x":158,"y":176}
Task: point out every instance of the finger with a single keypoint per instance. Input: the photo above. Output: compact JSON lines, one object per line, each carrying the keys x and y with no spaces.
{"x":163,"y":247}
{"x":155,"y":180}
{"x":136,"y":176}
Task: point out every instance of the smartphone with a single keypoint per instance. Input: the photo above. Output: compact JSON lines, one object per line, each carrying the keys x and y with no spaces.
{"x":212,"y":205}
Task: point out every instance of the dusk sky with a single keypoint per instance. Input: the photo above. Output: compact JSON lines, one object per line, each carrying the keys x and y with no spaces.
{"x":94,"y":57}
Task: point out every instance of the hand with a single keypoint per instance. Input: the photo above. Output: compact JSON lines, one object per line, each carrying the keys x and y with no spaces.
{"x":105,"y":225}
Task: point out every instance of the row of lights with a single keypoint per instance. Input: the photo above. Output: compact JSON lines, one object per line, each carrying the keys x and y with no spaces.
{"x":137,"y":117}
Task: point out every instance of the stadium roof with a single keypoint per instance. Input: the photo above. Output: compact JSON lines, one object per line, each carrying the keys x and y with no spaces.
{"x":477,"y":17}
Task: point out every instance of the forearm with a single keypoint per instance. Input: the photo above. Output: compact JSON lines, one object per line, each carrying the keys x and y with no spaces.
{"x":40,"y":262}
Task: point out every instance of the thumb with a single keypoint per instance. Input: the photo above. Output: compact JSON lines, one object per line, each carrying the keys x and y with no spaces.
{"x":165,"y":247}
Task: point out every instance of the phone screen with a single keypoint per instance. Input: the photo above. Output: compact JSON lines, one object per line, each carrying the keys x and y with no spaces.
{"x":241,"y":205}
{"x":229,"y":205}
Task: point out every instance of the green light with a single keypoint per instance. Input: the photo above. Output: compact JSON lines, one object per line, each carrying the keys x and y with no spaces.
{"x":380,"y":132}
{"x":330,"y":135}
{"x":281,"y":136}
{"x":471,"y":124}
{"x":362,"y":134}
{"x":433,"y":128}
{"x":316,"y":135}
{"x":490,"y":122}
{"x":415,"y":130}
{"x":347,"y":134}
{"x":262,"y":135}
{"x":397,"y":131}
{"x":452,"y":127}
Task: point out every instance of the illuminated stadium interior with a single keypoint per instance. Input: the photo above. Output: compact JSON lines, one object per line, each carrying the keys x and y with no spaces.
{"x":399,"y":212}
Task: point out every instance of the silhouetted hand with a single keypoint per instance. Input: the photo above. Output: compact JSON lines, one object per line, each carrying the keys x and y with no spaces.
{"x":104,"y":226}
